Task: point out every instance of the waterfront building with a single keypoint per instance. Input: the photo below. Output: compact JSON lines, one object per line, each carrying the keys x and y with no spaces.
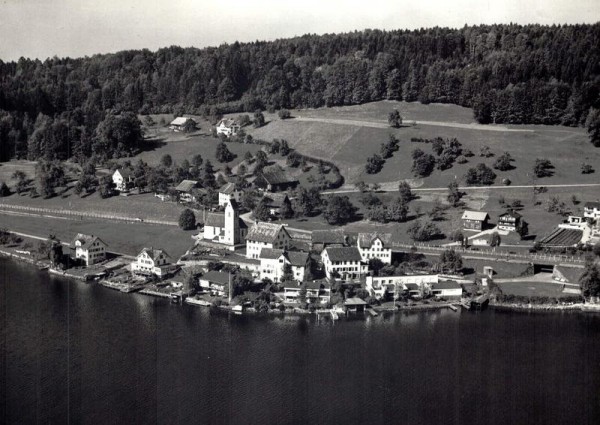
{"x":355,"y":305}
{"x":448,"y":289}
{"x":390,"y":287}
{"x":266,"y":235}
{"x":375,"y":245}
{"x":317,"y":291}
{"x":345,"y":262}
{"x":475,"y":220}
{"x":273,"y":261}
{"x":226,"y":227}
{"x":151,"y":261}
{"x":215,"y":282}
{"x":89,"y":248}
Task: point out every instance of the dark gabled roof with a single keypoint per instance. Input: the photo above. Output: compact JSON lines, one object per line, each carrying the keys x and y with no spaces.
{"x":215,"y":219}
{"x":213,"y":276}
{"x":275,"y":200}
{"x":270,"y":253}
{"x":276,"y":175}
{"x":186,"y":185}
{"x":365,"y":240}
{"x":227,"y":122}
{"x":343,"y":253}
{"x":154,"y":253}
{"x":227,"y":188}
{"x":355,"y":301}
{"x":264,"y":232}
{"x":85,"y":240}
{"x":328,"y":236}
{"x":592,"y":205}
{"x":125,"y":172}
{"x":412,"y":286}
{"x":297,"y":258}
{"x":510,"y":214}
{"x":234,"y":204}
{"x":449,"y":284}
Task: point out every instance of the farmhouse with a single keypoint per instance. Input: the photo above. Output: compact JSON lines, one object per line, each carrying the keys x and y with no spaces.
{"x":509,"y":221}
{"x":228,"y":127}
{"x":183,"y":124}
{"x":225,"y":227}
{"x":227,"y":192}
{"x":382,"y":287}
{"x":273,"y":261}
{"x":446,"y":289}
{"x":343,"y":261}
{"x":216,"y":282}
{"x":375,"y":245}
{"x":274,"y":179}
{"x":320,"y":239}
{"x":185,"y":190}
{"x":266,"y":235}
{"x":89,"y":248}
{"x":123,"y":179}
{"x":591,"y":210}
{"x":275,"y":201}
{"x":151,"y":261}
{"x":475,"y":220}
{"x":316,"y":291}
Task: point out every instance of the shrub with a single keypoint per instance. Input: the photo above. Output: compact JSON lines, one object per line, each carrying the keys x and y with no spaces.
{"x":187,"y":219}
{"x":284,"y":114}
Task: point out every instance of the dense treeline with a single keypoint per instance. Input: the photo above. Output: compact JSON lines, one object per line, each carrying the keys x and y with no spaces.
{"x":506,"y":73}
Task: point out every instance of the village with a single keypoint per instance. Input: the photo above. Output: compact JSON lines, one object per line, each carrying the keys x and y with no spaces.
{"x":245,"y":263}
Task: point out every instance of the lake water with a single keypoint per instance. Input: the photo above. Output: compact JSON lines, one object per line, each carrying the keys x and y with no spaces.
{"x":78,"y":353}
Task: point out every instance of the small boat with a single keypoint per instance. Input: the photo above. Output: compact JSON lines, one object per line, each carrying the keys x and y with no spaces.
{"x":237,"y":309}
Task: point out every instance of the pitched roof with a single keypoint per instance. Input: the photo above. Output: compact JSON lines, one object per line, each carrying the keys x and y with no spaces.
{"x":592,"y":205}
{"x":297,"y":258}
{"x":227,"y":188}
{"x":343,"y":253}
{"x":275,"y":175}
{"x":264,"y":232}
{"x":365,"y":240}
{"x":328,"y":236}
{"x":355,"y":301}
{"x":182,"y":120}
{"x":275,"y":199}
{"x":412,"y":286}
{"x":153,"y":253}
{"x":510,"y":214}
{"x":186,"y":185}
{"x":216,"y":277}
{"x":227,"y":122}
{"x":85,"y":240}
{"x":270,"y":253}
{"x":446,"y":285}
{"x":475,"y":215}
{"x":124,"y":172}
{"x":215,"y":219}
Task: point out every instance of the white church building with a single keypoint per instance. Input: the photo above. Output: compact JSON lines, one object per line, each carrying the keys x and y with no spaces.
{"x":226,"y":228}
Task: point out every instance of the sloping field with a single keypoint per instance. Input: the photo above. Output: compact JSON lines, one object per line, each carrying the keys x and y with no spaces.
{"x":563,"y":237}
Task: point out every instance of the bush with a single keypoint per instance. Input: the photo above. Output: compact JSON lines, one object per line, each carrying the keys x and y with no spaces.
{"x":187,"y":219}
{"x":284,"y":114}
{"x":481,"y":174}
{"x":374,"y":164}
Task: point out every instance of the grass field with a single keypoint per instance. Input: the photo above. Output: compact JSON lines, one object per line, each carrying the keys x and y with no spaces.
{"x":529,"y":289}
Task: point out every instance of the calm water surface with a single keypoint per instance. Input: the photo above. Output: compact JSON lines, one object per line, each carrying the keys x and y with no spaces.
{"x":77,"y":353}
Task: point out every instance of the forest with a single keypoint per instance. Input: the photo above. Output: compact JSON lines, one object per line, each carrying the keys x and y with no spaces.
{"x":86,"y":107}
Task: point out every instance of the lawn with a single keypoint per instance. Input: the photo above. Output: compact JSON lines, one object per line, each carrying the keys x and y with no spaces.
{"x":529,"y":289}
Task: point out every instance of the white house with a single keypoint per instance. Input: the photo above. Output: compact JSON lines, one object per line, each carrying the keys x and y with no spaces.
{"x":591,"y":210}
{"x":89,"y":248}
{"x":151,"y":261}
{"x":185,"y":190}
{"x":228,"y":127}
{"x":382,"y":287}
{"x":266,"y":235}
{"x":346,"y":261}
{"x":272,"y":262}
{"x":183,"y":124}
{"x":316,"y":291}
{"x":216,"y":282}
{"x":227,"y":192}
{"x":446,"y":289}
{"x":225,"y":227}
{"x":375,"y":245}
{"x":123,"y":179}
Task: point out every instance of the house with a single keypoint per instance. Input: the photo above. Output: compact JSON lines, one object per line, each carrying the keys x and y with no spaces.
{"x":275,"y":201}
{"x":227,"y":192}
{"x":274,"y":179}
{"x":475,"y":220}
{"x":273,"y":261}
{"x":375,"y":245}
{"x":215,"y":282}
{"x":344,"y":261}
{"x":185,"y":190}
{"x":446,"y":289}
{"x":151,"y":261}
{"x":509,"y":221}
{"x":317,"y":291}
{"x":183,"y":124}
{"x":123,"y":179}
{"x":386,"y":287}
{"x":567,"y":274}
{"x":355,"y":305}
{"x":591,"y":210}
{"x":228,"y":127}
{"x":266,"y":235}
{"x":320,"y":239}
{"x":89,"y":248}
{"x":225,"y":227}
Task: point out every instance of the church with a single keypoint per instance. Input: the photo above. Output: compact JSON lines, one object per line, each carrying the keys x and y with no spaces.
{"x":226,"y":228}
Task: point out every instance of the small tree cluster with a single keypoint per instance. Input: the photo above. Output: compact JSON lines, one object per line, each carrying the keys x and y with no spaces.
{"x":394,"y":119}
{"x":422,"y":232}
{"x":387,"y":149}
{"x":374,"y":164}
{"x":339,"y":210}
{"x":504,"y":162}
{"x":481,"y":174}
{"x":543,"y":168}
{"x":423,"y":163}
{"x":451,"y":261}
{"x":187,"y":219}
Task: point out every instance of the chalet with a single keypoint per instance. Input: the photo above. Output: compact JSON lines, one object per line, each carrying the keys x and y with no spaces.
{"x":266,"y":235}
{"x":318,"y":291}
{"x":509,"y":221}
{"x":228,"y":127}
{"x":215,"y":282}
{"x":228,"y":191}
{"x":591,"y":210}
{"x":183,"y":124}
{"x":185,"y":190}
{"x":385,"y":287}
{"x":151,"y":261}
{"x":275,"y":201}
{"x":272,"y":262}
{"x":446,"y":289}
{"x":89,"y":248}
{"x":225,"y":227}
{"x":274,"y":179}
{"x":567,"y":274}
{"x":343,"y":261}
{"x":320,"y":239}
{"x":475,"y":220}
{"x":355,"y":305}
{"x":375,"y":245}
{"x":123,"y":179}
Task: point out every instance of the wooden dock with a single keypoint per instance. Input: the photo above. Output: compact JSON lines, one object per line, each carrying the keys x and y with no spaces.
{"x":373,"y":312}
{"x":452,"y":307}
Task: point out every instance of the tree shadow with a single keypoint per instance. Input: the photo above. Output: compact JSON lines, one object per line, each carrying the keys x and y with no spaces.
{"x":152,"y":144}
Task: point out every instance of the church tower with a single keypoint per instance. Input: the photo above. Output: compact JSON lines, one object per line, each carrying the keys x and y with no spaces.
{"x":232,"y":223}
